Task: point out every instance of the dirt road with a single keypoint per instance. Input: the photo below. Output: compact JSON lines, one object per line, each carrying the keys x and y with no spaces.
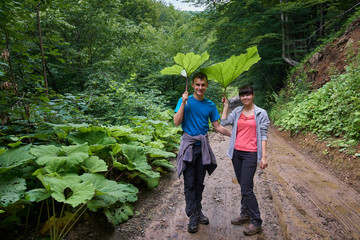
{"x":298,"y":199}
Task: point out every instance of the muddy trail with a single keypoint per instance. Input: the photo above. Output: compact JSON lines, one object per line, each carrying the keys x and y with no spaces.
{"x":298,"y":199}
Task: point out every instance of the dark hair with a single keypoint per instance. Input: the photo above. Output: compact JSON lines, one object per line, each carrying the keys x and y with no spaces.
{"x":246,"y":89}
{"x":200,"y":75}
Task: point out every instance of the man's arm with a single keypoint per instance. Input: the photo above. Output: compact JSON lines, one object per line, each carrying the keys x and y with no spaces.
{"x":221,"y":129}
{"x":179,"y":115}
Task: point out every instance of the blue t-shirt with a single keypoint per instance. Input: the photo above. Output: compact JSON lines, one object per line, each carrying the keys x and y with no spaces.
{"x":197,"y":114}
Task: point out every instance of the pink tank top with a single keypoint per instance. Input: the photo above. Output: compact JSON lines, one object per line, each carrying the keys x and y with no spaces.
{"x":246,"y":134}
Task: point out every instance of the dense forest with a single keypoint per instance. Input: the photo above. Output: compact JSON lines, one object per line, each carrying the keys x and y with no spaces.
{"x":86,"y":115}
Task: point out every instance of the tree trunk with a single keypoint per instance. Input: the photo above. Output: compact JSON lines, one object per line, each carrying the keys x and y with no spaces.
{"x":321,"y":24}
{"x":12,"y":77}
{"x":42,"y":49}
{"x":283,"y":45}
{"x":91,"y":48}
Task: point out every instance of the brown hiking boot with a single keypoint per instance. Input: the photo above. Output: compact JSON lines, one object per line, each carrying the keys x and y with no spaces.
{"x":252,"y":230}
{"x":240,"y":220}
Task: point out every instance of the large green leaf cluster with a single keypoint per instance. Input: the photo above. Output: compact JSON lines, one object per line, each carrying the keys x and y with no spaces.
{"x":227,"y":71}
{"x":85,"y":165}
{"x":333,"y":111}
{"x":186,"y":64}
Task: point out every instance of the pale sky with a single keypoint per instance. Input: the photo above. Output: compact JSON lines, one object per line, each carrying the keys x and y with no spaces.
{"x":183,"y":6}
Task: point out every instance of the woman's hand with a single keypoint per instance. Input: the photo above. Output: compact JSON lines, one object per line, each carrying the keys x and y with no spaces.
{"x":225,"y":101}
{"x":263,"y":162}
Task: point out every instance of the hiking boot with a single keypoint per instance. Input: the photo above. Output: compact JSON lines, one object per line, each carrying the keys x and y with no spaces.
{"x":240,"y":220}
{"x":193,"y":223}
{"x":252,"y":230}
{"x":202,"y":218}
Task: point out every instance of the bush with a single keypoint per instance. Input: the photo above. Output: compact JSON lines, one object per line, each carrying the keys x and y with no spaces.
{"x":331,"y":111}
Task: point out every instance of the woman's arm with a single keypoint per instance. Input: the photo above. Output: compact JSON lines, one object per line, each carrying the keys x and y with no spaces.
{"x":263,"y":161}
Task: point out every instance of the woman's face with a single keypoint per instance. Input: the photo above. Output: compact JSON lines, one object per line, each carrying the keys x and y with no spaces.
{"x":247,"y":99}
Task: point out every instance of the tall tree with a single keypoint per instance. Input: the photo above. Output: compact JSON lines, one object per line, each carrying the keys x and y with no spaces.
{"x":42,"y":48}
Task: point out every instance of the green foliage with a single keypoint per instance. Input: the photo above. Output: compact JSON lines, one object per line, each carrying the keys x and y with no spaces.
{"x":2,"y":73}
{"x":109,"y":192}
{"x":73,"y":147}
{"x":12,"y":189}
{"x":69,"y":161}
{"x":70,"y":189}
{"x":188,"y":62}
{"x":186,"y":65}
{"x":140,"y":11}
{"x":330,"y":112}
{"x":234,"y":25}
{"x":59,"y":160}
{"x":227,"y":71}
{"x":119,"y":214}
{"x":136,"y":160}
{"x":14,"y":158}
{"x":120,"y":102}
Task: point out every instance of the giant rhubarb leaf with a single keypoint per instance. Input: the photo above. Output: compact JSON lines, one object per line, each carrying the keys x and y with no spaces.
{"x":186,"y":64}
{"x":92,"y":138}
{"x":120,"y":214}
{"x":227,"y":71}
{"x":37,"y":195}
{"x":11,"y":190}
{"x":94,"y":164}
{"x":61,"y":159}
{"x":156,"y":153}
{"x":70,"y":189}
{"x":137,"y":160}
{"x":14,"y":157}
{"x":109,"y":192}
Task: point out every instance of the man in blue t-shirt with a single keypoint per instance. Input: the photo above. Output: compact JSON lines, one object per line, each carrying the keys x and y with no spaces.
{"x":195,"y":155}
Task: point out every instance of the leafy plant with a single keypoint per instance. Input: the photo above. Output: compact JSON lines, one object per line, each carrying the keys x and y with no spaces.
{"x":14,"y":158}
{"x":72,"y":162}
{"x":1,"y":72}
{"x":186,"y":65}
{"x":323,"y":112}
{"x":226,"y":72}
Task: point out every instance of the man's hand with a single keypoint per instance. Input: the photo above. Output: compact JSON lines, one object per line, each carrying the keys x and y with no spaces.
{"x":179,"y":116}
{"x":185,"y":96}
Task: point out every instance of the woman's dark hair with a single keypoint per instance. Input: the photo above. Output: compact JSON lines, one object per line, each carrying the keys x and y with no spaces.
{"x":200,"y":75}
{"x":246,"y":89}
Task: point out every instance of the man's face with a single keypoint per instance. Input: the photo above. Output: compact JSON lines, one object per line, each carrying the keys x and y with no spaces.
{"x":199,"y":87}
